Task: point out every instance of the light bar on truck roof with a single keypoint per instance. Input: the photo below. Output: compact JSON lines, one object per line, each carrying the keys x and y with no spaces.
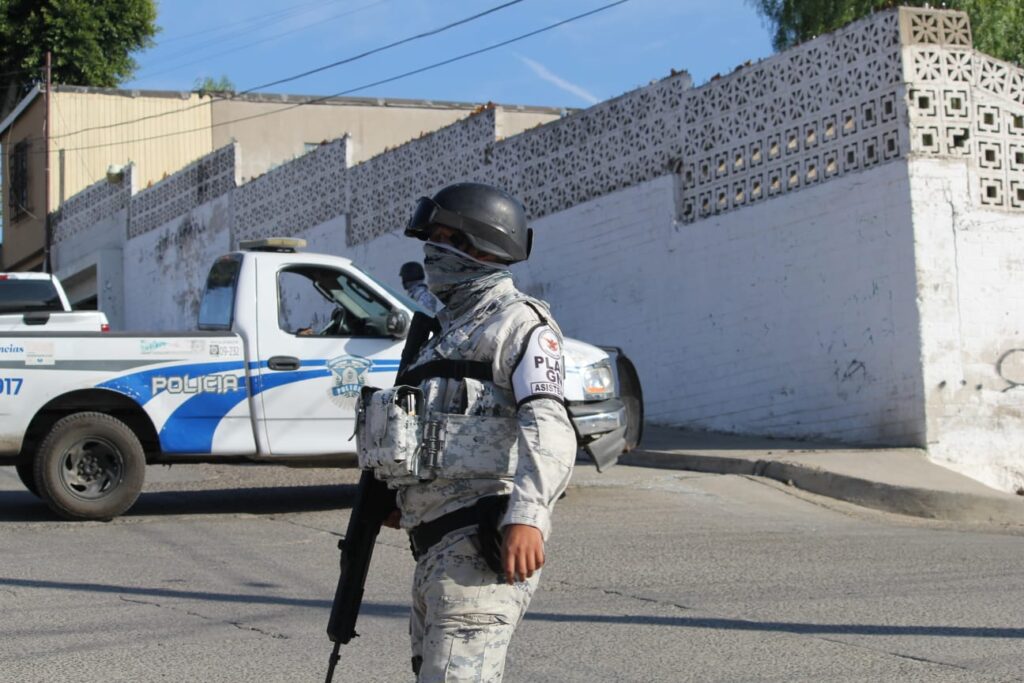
{"x":283,"y":244}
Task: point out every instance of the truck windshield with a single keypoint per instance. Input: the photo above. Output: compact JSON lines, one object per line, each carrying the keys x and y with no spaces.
{"x":17,"y":296}
{"x":406,"y":300}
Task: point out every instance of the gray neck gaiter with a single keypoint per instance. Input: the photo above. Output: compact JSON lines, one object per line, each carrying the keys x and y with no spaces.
{"x":455,"y":277}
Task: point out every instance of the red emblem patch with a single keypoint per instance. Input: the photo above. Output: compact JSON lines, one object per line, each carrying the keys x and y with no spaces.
{"x":550,"y":344}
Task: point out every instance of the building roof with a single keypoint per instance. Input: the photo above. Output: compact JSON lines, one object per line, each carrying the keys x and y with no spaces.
{"x":285,"y":98}
{"x":25,"y":101}
{"x":272,"y":98}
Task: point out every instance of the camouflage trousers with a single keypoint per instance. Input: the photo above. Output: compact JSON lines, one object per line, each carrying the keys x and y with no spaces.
{"x":463,"y":617}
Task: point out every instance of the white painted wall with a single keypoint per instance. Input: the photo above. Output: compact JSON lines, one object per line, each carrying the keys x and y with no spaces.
{"x":166,"y":268}
{"x":95,"y":253}
{"x":970,"y":269}
{"x":792,"y":318}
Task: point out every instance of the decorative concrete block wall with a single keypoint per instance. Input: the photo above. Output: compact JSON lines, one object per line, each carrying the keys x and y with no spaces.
{"x":294,"y":197}
{"x":383,"y":189}
{"x":966,"y":123}
{"x":196,"y":184}
{"x":965,"y":105}
{"x":612,"y":145}
{"x":812,"y":114}
{"x":92,"y":205}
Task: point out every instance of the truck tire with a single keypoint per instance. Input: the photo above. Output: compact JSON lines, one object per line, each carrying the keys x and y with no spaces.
{"x":90,"y":467}
{"x":26,"y":472}
{"x":633,"y":398}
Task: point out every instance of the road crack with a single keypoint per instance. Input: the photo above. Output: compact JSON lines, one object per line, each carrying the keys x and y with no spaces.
{"x":901,"y":655}
{"x":236,"y":624}
{"x":620,"y":594}
{"x":340,"y":536}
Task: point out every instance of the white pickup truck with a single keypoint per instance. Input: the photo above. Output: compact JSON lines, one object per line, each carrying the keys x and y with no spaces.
{"x":37,"y":302}
{"x":286,"y":340}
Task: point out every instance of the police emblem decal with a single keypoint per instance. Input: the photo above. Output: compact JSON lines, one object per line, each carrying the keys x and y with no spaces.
{"x":349,"y":375}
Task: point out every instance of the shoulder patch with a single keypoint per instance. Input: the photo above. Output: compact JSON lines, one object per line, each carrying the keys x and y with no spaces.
{"x":541,"y":369}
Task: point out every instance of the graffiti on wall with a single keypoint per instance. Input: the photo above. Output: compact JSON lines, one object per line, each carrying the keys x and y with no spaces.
{"x":1010,"y":367}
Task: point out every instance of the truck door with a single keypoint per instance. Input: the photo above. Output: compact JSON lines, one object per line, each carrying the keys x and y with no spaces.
{"x":328,"y":340}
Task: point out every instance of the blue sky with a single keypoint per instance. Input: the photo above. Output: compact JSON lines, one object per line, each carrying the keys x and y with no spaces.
{"x":257,"y":41}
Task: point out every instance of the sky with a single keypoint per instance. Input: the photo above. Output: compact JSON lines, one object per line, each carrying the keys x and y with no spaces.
{"x":255,"y":42}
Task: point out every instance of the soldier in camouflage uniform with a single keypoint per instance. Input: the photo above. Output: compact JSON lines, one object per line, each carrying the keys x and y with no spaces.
{"x":515,"y":448}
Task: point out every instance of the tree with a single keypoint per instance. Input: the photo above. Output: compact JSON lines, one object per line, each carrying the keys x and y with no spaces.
{"x":211,"y":85}
{"x":90,"y":41}
{"x":997,"y":25}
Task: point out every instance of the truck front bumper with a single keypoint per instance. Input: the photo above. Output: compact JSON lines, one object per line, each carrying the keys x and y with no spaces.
{"x":601,"y":426}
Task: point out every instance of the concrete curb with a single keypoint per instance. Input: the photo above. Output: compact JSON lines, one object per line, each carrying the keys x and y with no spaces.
{"x":951,"y":506}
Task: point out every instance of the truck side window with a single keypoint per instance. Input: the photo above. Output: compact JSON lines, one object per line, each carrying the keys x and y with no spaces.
{"x":302,"y":308}
{"x":217,"y":310}
{"x":316,"y":300}
{"x":370,"y":309}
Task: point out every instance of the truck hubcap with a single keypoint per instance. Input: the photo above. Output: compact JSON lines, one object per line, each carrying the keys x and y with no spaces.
{"x":91,"y":468}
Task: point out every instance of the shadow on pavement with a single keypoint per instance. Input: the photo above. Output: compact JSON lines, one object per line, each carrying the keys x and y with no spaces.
{"x":402,"y":611}
{"x":22,"y":506}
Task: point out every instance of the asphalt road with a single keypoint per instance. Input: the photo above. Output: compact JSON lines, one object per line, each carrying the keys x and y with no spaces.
{"x":226,"y":573}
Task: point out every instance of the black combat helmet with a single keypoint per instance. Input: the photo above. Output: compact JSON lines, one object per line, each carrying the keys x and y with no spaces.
{"x":410,"y":272}
{"x":491,"y":219}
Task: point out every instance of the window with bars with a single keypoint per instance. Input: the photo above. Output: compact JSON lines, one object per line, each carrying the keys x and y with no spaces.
{"x":17,"y":174}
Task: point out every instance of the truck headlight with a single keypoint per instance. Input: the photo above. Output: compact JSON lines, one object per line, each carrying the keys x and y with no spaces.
{"x":598,"y":381}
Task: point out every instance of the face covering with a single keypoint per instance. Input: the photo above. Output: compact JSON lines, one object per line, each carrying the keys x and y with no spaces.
{"x":450,"y":272}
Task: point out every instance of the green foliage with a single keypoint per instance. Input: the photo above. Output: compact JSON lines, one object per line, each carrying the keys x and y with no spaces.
{"x":997,"y":25}
{"x":211,"y":85}
{"x":91,"y":42}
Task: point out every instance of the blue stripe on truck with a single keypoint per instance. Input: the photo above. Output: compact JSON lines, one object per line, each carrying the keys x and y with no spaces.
{"x":139,"y":385}
{"x":191,"y":427}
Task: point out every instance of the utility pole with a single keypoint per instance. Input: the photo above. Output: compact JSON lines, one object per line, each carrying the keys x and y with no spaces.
{"x":47,"y":266}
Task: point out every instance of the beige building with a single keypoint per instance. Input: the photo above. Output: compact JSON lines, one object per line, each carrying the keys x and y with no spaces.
{"x":159,"y":132}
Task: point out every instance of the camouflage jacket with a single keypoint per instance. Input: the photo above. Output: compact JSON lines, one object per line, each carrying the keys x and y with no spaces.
{"x":546,"y":440}
{"x":420,"y":293}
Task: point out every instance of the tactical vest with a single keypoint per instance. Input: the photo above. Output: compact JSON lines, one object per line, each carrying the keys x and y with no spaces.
{"x":406,"y":444}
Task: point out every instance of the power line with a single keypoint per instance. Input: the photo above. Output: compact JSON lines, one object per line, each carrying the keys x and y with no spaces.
{"x":317,"y":100}
{"x":374,"y":51}
{"x":347,"y":60}
{"x":266,"y":39}
{"x":259,"y":20}
{"x":79,"y":155}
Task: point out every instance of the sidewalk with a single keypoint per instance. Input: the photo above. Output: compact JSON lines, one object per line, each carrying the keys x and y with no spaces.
{"x":900,"y":480}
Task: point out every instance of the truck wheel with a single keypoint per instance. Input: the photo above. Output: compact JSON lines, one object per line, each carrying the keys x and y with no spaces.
{"x":90,"y":466}
{"x":28,"y":478}
{"x":633,"y":398}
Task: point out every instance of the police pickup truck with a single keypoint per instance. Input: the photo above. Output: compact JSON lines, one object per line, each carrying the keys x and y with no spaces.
{"x":286,"y":341}
{"x":37,"y":302}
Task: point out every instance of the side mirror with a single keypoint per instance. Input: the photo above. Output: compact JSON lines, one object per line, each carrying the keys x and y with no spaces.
{"x":397,"y":323}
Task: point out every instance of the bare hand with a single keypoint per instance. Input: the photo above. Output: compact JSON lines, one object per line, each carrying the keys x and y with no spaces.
{"x":522,"y":551}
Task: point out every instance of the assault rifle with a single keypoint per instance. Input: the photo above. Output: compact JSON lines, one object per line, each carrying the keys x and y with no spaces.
{"x":374,"y":502}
